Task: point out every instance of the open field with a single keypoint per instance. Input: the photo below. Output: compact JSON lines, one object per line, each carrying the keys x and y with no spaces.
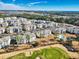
{"x":49,"y":53}
{"x":28,"y":51}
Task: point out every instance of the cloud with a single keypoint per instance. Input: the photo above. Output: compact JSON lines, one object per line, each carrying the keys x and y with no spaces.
{"x":34,"y":3}
{"x":12,"y":6}
{"x":6,"y":6}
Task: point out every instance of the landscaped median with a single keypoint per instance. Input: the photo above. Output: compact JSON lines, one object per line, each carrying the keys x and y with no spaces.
{"x":46,"y":53}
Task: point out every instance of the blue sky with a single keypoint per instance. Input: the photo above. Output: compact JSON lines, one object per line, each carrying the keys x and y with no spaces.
{"x":52,"y":5}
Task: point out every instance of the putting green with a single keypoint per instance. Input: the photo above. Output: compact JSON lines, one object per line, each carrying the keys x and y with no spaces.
{"x":49,"y":53}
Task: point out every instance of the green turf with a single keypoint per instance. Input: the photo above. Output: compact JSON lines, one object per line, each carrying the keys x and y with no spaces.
{"x":49,"y":53}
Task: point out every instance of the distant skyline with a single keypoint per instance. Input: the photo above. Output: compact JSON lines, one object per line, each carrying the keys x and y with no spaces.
{"x":43,"y":5}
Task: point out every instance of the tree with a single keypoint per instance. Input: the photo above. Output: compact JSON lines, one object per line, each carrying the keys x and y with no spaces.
{"x":34,"y":44}
{"x":13,"y":42}
{"x":69,"y":41}
{"x":28,"y":38}
{"x":18,"y":38}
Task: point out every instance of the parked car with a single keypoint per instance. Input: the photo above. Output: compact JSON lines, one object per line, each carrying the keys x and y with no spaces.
{"x":70,"y":48}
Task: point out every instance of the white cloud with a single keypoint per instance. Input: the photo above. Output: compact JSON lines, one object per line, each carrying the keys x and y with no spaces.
{"x":6,"y":6}
{"x":34,"y":3}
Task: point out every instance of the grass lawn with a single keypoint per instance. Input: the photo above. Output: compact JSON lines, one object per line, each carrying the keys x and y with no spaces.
{"x":49,"y":53}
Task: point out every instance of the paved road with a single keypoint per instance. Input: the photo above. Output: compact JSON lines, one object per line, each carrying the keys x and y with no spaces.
{"x":71,"y":54}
